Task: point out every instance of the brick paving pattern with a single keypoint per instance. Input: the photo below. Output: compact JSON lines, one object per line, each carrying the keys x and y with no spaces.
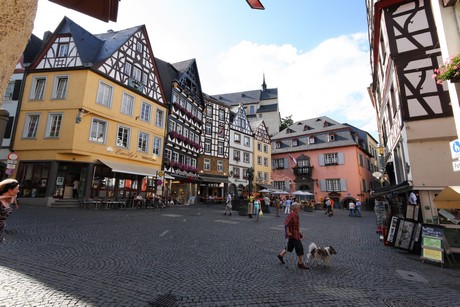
{"x":196,"y":256}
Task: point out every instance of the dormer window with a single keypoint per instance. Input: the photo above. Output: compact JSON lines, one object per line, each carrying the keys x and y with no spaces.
{"x":326,"y":124}
{"x":295,"y":142}
{"x":311,"y":140}
{"x":278,"y":144}
{"x":306,"y":128}
{"x":331,"y":137}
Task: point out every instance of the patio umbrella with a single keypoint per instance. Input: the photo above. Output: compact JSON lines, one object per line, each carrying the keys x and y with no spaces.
{"x":264,"y":191}
{"x":301,"y":193}
{"x":280,"y":193}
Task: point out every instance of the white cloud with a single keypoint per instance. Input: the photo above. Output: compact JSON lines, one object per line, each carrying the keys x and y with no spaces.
{"x":331,"y":79}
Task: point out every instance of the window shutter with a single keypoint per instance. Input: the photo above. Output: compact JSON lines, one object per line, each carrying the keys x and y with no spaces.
{"x":322,"y":185}
{"x":341,"y":156}
{"x":286,"y":163}
{"x":343,"y":185}
{"x":17,"y":87}
{"x":321,"y":160}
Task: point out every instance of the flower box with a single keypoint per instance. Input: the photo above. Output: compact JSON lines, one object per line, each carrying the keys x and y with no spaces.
{"x":450,"y":70}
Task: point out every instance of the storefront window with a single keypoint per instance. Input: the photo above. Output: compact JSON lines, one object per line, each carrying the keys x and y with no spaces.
{"x":33,"y":179}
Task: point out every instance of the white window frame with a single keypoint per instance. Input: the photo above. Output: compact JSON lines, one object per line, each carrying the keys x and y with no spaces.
{"x":31,"y":125}
{"x":146,"y":112}
{"x":207,"y":164}
{"x":127,"y":104}
{"x":143,"y":142}
{"x":333,"y":185}
{"x":259,"y":160}
{"x":157,"y":145}
{"x":128,"y":68}
{"x":207,"y":145}
{"x":63,"y":50}
{"x":220,"y":166}
{"x":60,"y":87}
{"x":104,"y":94}
{"x":125,"y":137}
{"x":159,"y":118}
{"x":37,"y":90}
{"x":137,"y":73}
{"x":246,"y":157}
{"x":246,"y":141}
{"x":237,"y":138}
{"x":53,"y":125}
{"x":98,"y":130}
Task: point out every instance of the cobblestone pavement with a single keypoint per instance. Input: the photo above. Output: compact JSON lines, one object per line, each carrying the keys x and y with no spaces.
{"x":196,"y":256}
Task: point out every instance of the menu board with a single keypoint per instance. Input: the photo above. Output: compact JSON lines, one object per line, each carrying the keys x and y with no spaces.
{"x":432,"y":243}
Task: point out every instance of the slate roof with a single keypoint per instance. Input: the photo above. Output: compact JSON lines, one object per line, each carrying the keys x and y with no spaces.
{"x":247,"y":97}
{"x":95,"y":48}
{"x":268,"y":108}
{"x":32,"y":49}
{"x":168,"y":73}
{"x":316,"y":127}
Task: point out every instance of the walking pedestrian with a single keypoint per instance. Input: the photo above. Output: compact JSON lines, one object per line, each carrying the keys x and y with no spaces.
{"x":75,"y":184}
{"x":277,"y":206}
{"x":351,"y":207}
{"x":256,"y":208}
{"x":267,"y":204}
{"x":292,"y":227}
{"x":9,"y":189}
{"x":228,"y":204}
{"x":358,"y":208}
{"x":287,"y":204}
{"x":329,"y":207}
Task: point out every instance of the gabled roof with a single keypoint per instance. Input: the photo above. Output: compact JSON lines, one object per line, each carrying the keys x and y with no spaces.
{"x":247,"y":97}
{"x":315,"y":125}
{"x":255,"y":124}
{"x":113,"y":40}
{"x":168,"y":74}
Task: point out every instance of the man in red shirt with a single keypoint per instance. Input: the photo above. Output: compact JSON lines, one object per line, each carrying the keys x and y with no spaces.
{"x":291,"y":225}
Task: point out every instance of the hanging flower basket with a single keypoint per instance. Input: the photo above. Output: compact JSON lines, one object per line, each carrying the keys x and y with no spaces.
{"x":450,"y":70}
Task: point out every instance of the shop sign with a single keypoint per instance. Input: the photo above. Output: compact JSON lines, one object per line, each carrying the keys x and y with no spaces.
{"x":456,"y":166}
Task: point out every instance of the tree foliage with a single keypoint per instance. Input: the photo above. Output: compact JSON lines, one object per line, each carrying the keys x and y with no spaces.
{"x":286,"y":122}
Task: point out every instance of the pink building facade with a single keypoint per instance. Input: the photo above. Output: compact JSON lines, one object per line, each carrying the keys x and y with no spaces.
{"x":325,"y":158}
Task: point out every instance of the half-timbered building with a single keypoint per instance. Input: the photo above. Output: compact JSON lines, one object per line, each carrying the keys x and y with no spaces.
{"x":241,"y":151}
{"x":181,"y":83}
{"x":415,"y":118}
{"x":92,"y":111}
{"x":258,"y":104}
{"x":262,"y":156}
{"x":213,"y":162}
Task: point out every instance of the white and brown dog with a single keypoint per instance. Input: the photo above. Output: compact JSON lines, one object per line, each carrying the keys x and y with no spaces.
{"x":323,"y":254}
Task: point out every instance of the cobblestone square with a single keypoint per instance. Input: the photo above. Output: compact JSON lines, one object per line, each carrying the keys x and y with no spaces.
{"x":196,"y":256}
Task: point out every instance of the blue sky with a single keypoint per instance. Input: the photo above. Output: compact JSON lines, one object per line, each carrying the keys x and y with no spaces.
{"x":314,"y":52}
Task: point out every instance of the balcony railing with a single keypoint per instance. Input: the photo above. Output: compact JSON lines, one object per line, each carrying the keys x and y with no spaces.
{"x":303,"y":171}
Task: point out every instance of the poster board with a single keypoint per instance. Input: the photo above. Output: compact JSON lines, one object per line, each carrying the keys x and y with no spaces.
{"x":393,"y":229}
{"x":432,"y":243}
{"x":404,"y":234}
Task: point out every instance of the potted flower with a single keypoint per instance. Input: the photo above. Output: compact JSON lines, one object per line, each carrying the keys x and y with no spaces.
{"x":450,"y":70}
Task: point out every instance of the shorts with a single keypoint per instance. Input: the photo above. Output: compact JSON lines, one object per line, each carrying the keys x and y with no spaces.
{"x":295,"y":244}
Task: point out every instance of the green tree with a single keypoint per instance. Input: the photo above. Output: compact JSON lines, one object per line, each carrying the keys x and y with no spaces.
{"x":286,"y":122}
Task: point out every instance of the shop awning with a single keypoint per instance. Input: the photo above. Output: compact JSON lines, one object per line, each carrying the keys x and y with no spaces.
{"x":449,"y":198}
{"x":402,"y":187}
{"x":266,"y":186}
{"x":118,"y":167}
{"x":214,"y":179}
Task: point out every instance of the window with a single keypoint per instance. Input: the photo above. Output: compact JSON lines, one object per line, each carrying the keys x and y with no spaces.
{"x":53,"y":127}
{"x":311,"y":140}
{"x":127,"y":104}
{"x":168,"y":155}
{"x":279,"y":185}
{"x":143,"y":142}
{"x":157,"y":146}
{"x":363,"y":185}
{"x":159,"y":118}
{"x":259,"y":160}
{"x":259,"y":176}
{"x":185,"y":133}
{"x":209,"y":111}
{"x":331,"y":159}
{"x":104,"y":94}
{"x":265,"y":176}
{"x":207,"y":145}
{"x":128,"y":68}
{"x":146,"y":112}
{"x":193,"y":162}
{"x":278,"y":163}
{"x":266,"y":148}
{"x":252,"y":111}
{"x":179,"y":129}
{"x":137,"y":74}
{"x":221,"y":114}
{"x":38,"y":88}
{"x":123,"y":137}
{"x":278,"y":144}
{"x":31,"y":126}
{"x":98,"y":131}
{"x":265,"y":161}
{"x":361,"y":160}
{"x":60,"y":87}
{"x":139,"y":46}
{"x":246,"y":141}
{"x":236,"y":155}
{"x":246,"y":157}
{"x":236,"y":172}
{"x":331,"y":137}
{"x":9,"y":91}
{"x":172,"y":125}
{"x":295,"y":142}
{"x":207,"y":165}
{"x":333,"y":185}
{"x":175,"y":156}
{"x":207,"y":128}
{"x":259,"y":146}
{"x":220,"y":148}
{"x":63,"y":50}
{"x":237,"y":138}
{"x":220,"y":165}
